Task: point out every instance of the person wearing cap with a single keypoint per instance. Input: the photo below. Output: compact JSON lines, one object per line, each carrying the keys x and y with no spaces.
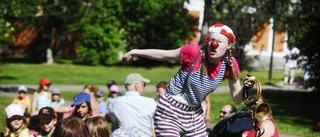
{"x":114,"y":93}
{"x":102,"y":104}
{"x":48,"y":120}
{"x":56,"y":100}
{"x":42,"y":97}
{"x":132,"y":109}
{"x":203,"y":68}
{"x":23,"y":100}
{"x":82,"y":105}
{"x":16,"y":123}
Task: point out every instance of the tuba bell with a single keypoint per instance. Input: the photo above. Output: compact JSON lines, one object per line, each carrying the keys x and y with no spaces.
{"x":262,"y":110}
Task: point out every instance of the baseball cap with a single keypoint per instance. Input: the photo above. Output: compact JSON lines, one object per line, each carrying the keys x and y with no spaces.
{"x":114,"y":88}
{"x":80,"y":98}
{"x":100,"y":93}
{"x":56,"y":91}
{"x":14,"y":109}
{"x":222,"y":29}
{"x":44,"y":81}
{"x":134,"y":77}
{"x":46,"y":114}
{"x":22,"y":88}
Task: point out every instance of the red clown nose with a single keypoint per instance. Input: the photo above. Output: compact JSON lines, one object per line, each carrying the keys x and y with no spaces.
{"x":214,"y":44}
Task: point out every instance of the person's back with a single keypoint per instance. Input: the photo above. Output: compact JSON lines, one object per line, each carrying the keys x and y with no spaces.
{"x":132,"y":109}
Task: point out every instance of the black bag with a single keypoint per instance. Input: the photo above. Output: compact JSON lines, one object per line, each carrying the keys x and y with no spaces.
{"x":233,"y":126}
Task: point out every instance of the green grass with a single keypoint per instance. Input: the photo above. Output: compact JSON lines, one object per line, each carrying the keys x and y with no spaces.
{"x":4,"y":102}
{"x":98,"y":75}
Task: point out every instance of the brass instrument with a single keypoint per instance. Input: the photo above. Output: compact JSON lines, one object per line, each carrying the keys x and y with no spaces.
{"x":262,"y":110}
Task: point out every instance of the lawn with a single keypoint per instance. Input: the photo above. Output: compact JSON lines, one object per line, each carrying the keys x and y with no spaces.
{"x":97,"y":75}
{"x":295,"y":112}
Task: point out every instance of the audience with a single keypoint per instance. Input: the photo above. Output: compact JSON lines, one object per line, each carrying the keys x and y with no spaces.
{"x":48,"y":120}
{"x":23,"y":100}
{"x":16,"y":123}
{"x":56,"y":100}
{"x":98,"y":127}
{"x":132,"y":109}
{"x":42,"y":97}
{"x":71,"y":127}
{"x":226,"y":111}
{"x":92,"y":91}
{"x":161,"y":89}
{"x":102,"y":104}
{"x":114,"y":93}
{"x":83,"y":109}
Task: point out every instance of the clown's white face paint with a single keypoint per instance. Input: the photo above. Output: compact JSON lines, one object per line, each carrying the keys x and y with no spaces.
{"x":215,"y":55}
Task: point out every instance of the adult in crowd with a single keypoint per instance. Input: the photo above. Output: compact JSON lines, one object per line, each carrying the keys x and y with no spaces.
{"x":226,"y":111}
{"x":291,"y":54}
{"x":265,"y":125}
{"x":203,"y":69}
{"x":134,"y":110}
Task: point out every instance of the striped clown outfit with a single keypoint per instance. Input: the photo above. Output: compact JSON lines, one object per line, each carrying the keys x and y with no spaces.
{"x":179,"y":111}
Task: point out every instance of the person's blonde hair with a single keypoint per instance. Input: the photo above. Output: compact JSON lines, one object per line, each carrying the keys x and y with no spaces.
{"x":98,"y":127}
{"x":93,"y":89}
{"x":16,"y":133}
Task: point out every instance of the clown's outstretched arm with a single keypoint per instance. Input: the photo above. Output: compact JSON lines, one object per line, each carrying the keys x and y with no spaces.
{"x":154,"y":54}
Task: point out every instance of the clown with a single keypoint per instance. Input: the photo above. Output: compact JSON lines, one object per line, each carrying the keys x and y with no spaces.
{"x":179,"y":111}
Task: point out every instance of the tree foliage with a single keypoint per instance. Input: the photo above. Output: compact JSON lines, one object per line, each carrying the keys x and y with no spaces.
{"x":298,"y":17}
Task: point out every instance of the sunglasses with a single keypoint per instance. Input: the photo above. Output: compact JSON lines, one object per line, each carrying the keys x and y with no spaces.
{"x":223,"y":112}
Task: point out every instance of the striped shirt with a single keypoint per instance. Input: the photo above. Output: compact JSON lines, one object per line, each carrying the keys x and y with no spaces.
{"x":193,"y":84}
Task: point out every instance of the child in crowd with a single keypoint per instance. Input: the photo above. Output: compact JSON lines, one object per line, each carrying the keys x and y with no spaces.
{"x":16,"y":122}
{"x":48,"y":120}
{"x":102,"y":104}
{"x":114,"y":93}
{"x":71,"y":127}
{"x":83,"y":109}
{"x":23,"y":100}
{"x":56,"y":100}
{"x":42,"y":97}
{"x":98,"y":127}
{"x":92,"y":91}
{"x":161,"y":89}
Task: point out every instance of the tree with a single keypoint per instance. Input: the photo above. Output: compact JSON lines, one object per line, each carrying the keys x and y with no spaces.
{"x":154,"y":24}
{"x":303,"y":25}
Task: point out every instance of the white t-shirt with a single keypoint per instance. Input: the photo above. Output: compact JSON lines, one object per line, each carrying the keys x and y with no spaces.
{"x":291,"y":62}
